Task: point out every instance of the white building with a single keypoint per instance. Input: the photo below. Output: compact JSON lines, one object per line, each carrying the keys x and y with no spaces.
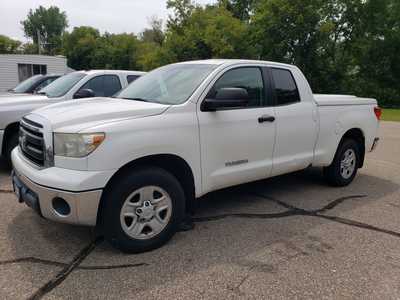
{"x":15,"y":68}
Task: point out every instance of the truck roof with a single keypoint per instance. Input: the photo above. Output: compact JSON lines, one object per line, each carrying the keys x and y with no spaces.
{"x":235,"y":61}
{"x":111,"y":72}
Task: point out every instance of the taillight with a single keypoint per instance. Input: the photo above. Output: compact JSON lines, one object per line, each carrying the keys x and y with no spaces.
{"x":378,"y":112}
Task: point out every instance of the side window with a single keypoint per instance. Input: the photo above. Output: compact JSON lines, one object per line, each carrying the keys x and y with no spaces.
{"x":45,"y":83}
{"x":131,"y":78}
{"x":285,"y":87}
{"x":96,"y":84}
{"x":249,"y":78}
{"x":111,"y":85}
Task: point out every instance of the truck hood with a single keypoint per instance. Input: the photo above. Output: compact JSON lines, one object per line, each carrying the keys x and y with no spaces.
{"x":24,"y":99}
{"x":77,"y":115}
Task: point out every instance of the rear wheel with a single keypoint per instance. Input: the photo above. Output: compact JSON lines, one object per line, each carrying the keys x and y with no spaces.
{"x":345,"y":164}
{"x":143,"y":210}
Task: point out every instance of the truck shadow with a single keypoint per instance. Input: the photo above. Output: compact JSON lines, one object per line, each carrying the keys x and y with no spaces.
{"x":5,"y":170}
{"x":232,"y":236}
{"x":4,"y":166}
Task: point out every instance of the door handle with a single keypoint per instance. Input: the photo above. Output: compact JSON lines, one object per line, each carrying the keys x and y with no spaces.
{"x":266,"y":118}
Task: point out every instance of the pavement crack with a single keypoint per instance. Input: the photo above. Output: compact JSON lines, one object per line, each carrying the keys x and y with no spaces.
{"x":236,"y":289}
{"x":277,"y":201}
{"x":245,"y":215}
{"x":359,"y":225}
{"x":2,"y":191}
{"x":296,"y":211}
{"x":291,"y":211}
{"x":68,"y":268}
{"x":338,"y":201}
{"x":318,"y":213}
{"x":35,"y":260}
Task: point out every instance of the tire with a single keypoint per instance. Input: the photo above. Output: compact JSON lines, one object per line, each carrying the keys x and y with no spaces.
{"x":11,"y":143}
{"x":341,"y":172}
{"x":131,"y":232}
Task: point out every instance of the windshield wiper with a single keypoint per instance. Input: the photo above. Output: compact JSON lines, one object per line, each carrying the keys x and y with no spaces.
{"x":41,"y":93}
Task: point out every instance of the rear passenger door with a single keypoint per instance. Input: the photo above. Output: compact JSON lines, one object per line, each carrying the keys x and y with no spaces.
{"x":103,"y":85}
{"x":296,"y":129}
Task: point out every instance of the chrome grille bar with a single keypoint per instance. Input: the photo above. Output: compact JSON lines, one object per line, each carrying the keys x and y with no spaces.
{"x":31,"y":142}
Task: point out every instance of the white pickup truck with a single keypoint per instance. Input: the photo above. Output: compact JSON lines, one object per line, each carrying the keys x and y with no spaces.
{"x":135,"y":164}
{"x":75,"y":85}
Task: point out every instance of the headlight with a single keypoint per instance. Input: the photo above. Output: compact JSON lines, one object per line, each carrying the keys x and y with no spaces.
{"x":76,"y":144}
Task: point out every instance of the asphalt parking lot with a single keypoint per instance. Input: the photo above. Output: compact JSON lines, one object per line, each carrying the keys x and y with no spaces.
{"x":286,"y":237}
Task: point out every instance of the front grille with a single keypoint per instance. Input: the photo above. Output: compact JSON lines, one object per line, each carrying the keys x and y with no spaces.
{"x":31,"y":141}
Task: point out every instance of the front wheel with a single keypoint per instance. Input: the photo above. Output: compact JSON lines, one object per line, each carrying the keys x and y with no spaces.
{"x":143,"y":210}
{"x":344,"y":167}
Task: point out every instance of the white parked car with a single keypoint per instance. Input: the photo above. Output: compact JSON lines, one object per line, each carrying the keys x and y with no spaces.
{"x":134,"y":165}
{"x":31,"y":85}
{"x":80,"y":84}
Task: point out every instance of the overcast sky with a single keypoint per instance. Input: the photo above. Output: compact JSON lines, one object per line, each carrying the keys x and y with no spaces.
{"x":114,"y":16}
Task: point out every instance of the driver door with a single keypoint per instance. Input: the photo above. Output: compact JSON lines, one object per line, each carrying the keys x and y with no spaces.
{"x":237,"y":143}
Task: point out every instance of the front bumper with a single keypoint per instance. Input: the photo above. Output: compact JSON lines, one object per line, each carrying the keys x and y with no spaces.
{"x":82,"y":206}
{"x":44,"y":185}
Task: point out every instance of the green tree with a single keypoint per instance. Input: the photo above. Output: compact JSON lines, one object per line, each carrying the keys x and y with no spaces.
{"x":50,"y":23}
{"x":182,"y":10}
{"x":80,"y":47}
{"x":154,"y":34}
{"x":376,"y":52}
{"x":118,"y":51}
{"x":241,"y":9}
{"x":29,"y":48}
{"x":86,"y":48}
{"x":8,"y":45}
{"x":313,"y":34}
{"x":209,"y":32}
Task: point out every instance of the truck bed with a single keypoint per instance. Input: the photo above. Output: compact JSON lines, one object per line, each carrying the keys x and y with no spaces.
{"x":333,"y":100}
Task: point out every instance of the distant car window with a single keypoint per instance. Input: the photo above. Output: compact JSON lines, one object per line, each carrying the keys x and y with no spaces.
{"x":285,"y":87}
{"x":111,"y":85}
{"x":25,"y":85}
{"x":62,"y":85}
{"x":103,"y":85}
{"x":131,"y":78}
{"x":44,"y":83}
{"x":96,"y":85}
{"x":248,"y":78}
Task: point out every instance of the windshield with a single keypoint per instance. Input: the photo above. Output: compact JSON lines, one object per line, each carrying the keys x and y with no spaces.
{"x":25,"y":85}
{"x":62,"y":85}
{"x":172,"y":84}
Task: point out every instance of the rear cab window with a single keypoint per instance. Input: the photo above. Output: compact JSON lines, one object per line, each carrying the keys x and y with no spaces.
{"x":131,"y":78}
{"x":285,"y":87}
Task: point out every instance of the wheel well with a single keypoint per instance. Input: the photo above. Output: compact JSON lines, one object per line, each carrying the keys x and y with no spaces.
{"x":8,"y":132}
{"x":357,"y":135}
{"x":171,"y":163}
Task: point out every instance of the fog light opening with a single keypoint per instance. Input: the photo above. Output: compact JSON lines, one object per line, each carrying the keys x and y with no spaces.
{"x":61,"y":206}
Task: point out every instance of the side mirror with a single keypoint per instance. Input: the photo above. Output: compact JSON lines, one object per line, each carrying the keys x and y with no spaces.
{"x":84,"y":93}
{"x":226,"y":98}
